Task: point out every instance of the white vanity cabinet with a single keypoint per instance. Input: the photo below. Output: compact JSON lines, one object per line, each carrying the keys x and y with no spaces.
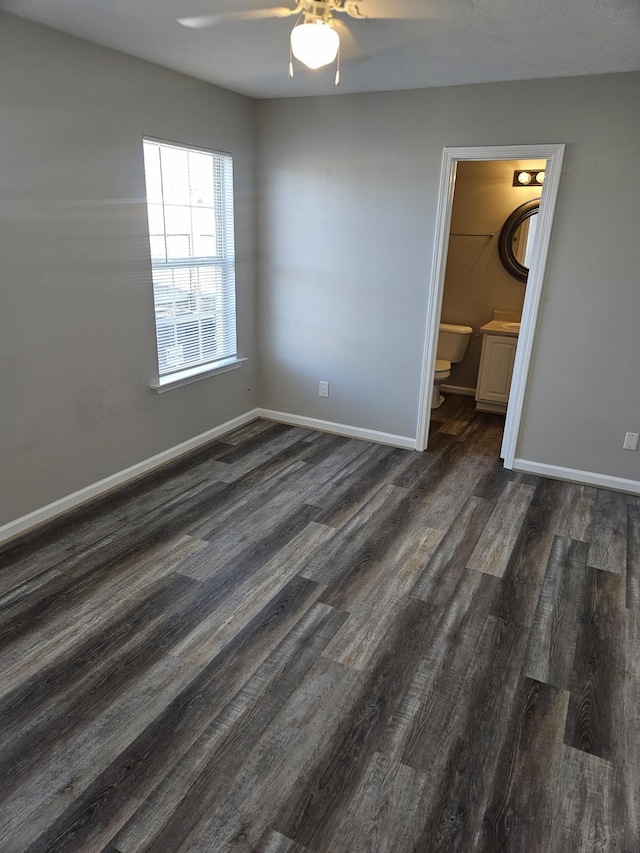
{"x":496,"y":366}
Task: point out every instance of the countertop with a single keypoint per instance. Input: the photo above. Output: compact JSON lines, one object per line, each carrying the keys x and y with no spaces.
{"x":501,"y":327}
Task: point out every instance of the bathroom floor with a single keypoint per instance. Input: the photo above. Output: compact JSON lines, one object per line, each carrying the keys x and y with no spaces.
{"x":293,"y":642}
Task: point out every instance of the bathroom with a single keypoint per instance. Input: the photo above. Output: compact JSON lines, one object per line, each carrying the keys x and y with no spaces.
{"x":483,"y":287}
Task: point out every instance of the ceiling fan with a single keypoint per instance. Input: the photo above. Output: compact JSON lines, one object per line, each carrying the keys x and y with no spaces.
{"x":317,"y":35}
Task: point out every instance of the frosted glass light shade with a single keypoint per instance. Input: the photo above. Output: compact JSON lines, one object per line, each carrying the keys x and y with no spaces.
{"x":315,"y":44}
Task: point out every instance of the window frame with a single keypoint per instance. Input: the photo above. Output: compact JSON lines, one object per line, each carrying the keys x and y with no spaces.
{"x":223,"y":227}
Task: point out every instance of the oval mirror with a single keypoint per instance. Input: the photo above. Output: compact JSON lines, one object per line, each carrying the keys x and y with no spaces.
{"x":517,"y":239}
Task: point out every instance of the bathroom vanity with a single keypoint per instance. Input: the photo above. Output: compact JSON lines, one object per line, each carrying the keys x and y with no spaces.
{"x":499,"y":341}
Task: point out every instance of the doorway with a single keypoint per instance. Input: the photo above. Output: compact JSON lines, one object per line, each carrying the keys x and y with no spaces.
{"x":553,"y":155}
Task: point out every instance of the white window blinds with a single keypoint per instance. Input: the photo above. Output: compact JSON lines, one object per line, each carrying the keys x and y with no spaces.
{"x":190,"y":210}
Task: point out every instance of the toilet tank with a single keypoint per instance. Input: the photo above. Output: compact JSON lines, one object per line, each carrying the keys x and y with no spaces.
{"x":453,"y":341}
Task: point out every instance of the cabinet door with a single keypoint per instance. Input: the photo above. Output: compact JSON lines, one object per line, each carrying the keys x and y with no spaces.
{"x":496,"y":368}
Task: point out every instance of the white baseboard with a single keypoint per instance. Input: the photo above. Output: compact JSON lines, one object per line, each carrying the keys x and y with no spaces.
{"x":82,"y":496}
{"x":459,"y":389}
{"x":72,"y":501}
{"x":339,"y":429}
{"x":588,"y":478}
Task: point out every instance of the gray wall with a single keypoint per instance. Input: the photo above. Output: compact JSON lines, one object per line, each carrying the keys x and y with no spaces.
{"x":346,"y":206}
{"x":348,"y":193}
{"x":76,"y":313}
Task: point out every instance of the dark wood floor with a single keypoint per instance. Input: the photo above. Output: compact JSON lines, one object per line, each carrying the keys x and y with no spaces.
{"x":296,"y":642}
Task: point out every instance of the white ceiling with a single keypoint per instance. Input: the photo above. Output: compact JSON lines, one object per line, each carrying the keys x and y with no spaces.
{"x":466,"y":41}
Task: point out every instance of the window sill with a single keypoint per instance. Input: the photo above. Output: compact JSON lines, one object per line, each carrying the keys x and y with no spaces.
{"x":195,"y":374}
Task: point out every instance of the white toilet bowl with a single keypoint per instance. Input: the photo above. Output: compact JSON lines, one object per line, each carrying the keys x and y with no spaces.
{"x":453,"y":340}
{"x":442,"y":373}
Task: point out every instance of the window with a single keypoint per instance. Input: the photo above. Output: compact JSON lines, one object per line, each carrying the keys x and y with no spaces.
{"x":190,"y":210}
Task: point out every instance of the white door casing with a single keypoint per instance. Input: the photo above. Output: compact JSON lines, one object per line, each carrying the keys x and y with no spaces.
{"x":553,"y":154}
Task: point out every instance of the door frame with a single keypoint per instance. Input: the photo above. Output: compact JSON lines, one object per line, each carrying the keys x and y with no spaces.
{"x":554,"y":155}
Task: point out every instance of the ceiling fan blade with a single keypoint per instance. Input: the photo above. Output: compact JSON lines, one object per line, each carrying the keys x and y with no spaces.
{"x":350,"y":50}
{"x":416,"y":10}
{"x":199,"y":21}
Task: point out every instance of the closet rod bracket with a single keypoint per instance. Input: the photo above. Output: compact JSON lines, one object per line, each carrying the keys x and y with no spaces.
{"x":471,"y":235}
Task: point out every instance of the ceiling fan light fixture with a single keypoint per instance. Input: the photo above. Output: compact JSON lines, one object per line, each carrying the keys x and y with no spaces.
{"x":315,"y":43}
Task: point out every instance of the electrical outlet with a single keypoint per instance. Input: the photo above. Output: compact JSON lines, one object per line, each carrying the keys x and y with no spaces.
{"x":630,"y":441}
{"x":323,"y":389}
{"x":247,"y":389}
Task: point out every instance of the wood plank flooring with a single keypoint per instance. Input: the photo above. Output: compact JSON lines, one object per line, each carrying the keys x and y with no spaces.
{"x":292,"y":642}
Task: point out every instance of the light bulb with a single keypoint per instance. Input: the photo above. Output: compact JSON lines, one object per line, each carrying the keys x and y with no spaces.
{"x":540,"y":177}
{"x":315,"y":43}
{"x":524,"y":178}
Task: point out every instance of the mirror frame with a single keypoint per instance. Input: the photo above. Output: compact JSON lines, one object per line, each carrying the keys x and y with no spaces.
{"x":505,"y":240}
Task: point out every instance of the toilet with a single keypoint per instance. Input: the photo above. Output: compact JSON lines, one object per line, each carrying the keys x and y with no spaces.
{"x":453,"y":341}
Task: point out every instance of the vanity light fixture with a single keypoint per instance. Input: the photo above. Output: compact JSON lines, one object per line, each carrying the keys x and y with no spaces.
{"x":528,"y":178}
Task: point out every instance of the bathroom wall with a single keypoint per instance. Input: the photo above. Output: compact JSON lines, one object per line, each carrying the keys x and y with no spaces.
{"x":476,"y":283}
